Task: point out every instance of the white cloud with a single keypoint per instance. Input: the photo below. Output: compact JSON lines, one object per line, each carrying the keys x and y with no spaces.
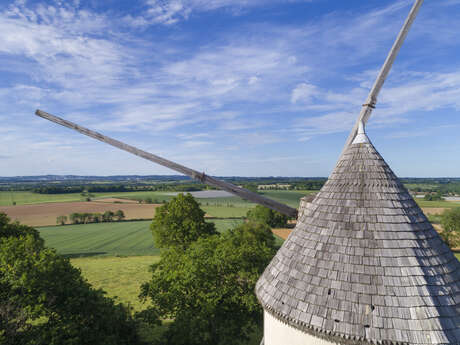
{"x":413,"y":92}
{"x":303,"y":92}
{"x":169,"y":12}
{"x":62,"y":43}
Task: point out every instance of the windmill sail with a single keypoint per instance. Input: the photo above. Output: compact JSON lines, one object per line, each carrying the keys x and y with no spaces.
{"x":201,"y":176}
{"x":371,"y":100}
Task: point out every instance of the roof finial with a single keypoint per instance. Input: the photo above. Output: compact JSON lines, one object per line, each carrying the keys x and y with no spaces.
{"x":361,"y":137}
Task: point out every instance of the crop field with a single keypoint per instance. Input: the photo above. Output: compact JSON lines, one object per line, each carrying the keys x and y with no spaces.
{"x":45,"y":214}
{"x":110,"y":239}
{"x":437,"y":204}
{"x":226,"y":212}
{"x":121,"y":238}
{"x":289,"y":197}
{"x":26,"y":198}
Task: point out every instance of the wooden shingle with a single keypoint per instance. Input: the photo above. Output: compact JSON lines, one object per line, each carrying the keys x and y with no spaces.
{"x":364,"y":263}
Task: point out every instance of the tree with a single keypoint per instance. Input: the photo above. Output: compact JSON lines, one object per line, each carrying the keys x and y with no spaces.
{"x":14,"y":229}
{"x":267,"y":216}
{"x":433,"y":197}
{"x":61,"y":220}
{"x":75,"y":218}
{"x":96,"y":217}
{"x":107,"y":216}
{"x":208,"y":288}
{"x":450,"y":222}
{"x":45,"y":300}
{"x":179,"y":222}
{"x":120,"y":215}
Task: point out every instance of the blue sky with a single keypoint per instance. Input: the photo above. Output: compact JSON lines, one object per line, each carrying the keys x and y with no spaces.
{"x":231,"y":87}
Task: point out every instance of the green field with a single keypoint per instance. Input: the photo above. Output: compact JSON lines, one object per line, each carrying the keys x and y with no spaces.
{"x":226,"y":212}
{"x":109,"y":239}
{"x":289,"y":197}
{"x":120,"y":277}
{"x":437,"y":204}
{"x":25,"y":198}
{"x":124,"y":238}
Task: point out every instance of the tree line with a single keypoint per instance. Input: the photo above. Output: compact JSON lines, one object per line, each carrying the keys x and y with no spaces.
{"x":172,"y":187}
{"x":87,"y":217}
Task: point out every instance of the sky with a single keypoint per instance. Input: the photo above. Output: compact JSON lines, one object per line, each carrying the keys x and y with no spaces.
{"x":229,"y":87}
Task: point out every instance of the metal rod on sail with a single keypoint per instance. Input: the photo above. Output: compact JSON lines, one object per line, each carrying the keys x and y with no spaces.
{"x":201,"y":176}
{"x":371,"y":101}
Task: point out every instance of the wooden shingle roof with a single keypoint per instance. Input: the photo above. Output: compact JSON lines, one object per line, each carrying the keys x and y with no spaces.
{"x":364,"y":265}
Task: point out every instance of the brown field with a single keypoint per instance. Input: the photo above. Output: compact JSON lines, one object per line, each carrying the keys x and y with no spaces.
{"x":45,"y":214}
{"x":433,"y":210}
{"x":117,"y":201}
{"x":283,"y":233}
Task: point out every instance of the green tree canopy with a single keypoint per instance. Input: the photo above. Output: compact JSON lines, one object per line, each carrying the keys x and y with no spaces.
{"x":61,"y":220}
{"x":179,"y":222}
{"x":208,"y":288}
{"x":433,"y":197}
{"x":120,"y":215}
{"x":14,"y":229}
{"x":265,"y":215}
{"x":45,"y":300}
{"x":450,"y":221}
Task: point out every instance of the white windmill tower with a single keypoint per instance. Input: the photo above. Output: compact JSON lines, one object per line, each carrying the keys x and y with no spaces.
{"x":363,"y":264}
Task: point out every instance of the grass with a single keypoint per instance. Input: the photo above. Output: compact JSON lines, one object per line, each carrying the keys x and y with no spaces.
{"x":434,"y":218}
{"x":26,"y":198}
{"x":225,"y":224}
{"x":124,"y":238}
{"x":120,"y":277}
{"x":437,"y":204}
{"x":289,"y":197}
{"x":23,"y":198}
{"x":109,"y":239}
{"x":226,"y":212}
{"x":237,"y":207}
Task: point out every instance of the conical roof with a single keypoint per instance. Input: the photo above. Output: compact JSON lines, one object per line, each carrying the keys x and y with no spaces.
{"x":364,"y":265}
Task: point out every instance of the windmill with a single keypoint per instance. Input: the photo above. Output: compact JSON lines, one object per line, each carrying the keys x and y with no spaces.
{"x":363,"y":264}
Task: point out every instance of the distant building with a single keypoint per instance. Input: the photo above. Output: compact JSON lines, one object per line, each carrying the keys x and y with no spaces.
{"x":273,"y":186}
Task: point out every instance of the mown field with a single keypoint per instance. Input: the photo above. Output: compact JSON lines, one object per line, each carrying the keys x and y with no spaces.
{"x":109,"y":239}
{"x":437,"y":204}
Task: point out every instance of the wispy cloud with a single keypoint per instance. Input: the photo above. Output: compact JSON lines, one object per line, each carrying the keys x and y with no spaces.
{"x":169,"y":12}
